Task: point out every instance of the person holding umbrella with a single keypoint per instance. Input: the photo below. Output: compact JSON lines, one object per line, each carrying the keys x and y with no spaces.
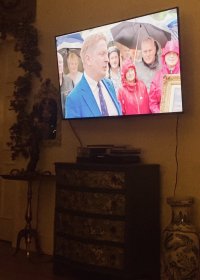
{"x":171,"y":65}
{"x":150,"y":62}
{"x":133,"y":94}
{"x":146,"y":38}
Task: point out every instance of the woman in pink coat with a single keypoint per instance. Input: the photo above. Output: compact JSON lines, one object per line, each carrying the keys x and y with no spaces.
{"x":133,"y":95}
{"x":170,"y":65}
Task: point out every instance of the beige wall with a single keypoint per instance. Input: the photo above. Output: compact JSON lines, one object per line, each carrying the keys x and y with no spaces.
{"x":155,"y":135}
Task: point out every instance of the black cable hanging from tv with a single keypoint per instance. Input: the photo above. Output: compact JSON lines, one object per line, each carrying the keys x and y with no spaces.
{"x":176,"y":155}
{"x":75,"y":133}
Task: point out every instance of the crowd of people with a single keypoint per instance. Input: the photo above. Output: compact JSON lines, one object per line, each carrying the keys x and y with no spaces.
{"x":112,"y":82}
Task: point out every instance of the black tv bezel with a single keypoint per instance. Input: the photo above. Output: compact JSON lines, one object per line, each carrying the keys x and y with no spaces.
{"x":133,"y":115}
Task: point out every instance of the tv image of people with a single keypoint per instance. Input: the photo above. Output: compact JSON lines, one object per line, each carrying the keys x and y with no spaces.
{"x":126,"y":68}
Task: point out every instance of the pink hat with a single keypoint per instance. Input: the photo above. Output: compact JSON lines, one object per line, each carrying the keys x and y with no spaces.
{"x":171,"y":46}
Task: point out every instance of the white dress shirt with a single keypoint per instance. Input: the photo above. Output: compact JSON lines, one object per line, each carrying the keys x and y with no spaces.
{"x":112,"y":110}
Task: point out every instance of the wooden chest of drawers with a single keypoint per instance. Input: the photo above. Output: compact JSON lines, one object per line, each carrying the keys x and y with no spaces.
{"x":107,"y":220}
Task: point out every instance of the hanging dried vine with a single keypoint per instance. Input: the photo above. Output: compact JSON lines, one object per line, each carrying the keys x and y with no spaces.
{"x":32,"y":125}
{"x":26,"y":42}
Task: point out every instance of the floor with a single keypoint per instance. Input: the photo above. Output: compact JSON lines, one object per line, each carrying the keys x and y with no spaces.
{"x":35,"y":267}
{"x":19,"y":267}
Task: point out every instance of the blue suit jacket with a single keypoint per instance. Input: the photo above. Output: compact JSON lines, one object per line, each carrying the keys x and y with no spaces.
{"x":80,"y":103}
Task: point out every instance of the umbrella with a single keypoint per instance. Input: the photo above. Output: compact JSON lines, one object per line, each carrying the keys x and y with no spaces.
{"x":69,"y":41}
{"x":173,"y":27}
{"x":70,"y":38}
{"x":131,"y":34}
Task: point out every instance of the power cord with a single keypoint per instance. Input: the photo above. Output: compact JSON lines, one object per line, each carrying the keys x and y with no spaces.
{"x":76,"y":134}
{"x":176,"y":154}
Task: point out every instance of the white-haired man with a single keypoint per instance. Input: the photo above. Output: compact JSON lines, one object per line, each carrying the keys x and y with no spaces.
{"x":94,"y":95}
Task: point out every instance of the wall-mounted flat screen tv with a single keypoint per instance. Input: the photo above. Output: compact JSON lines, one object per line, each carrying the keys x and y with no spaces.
{"x":125,"y":68}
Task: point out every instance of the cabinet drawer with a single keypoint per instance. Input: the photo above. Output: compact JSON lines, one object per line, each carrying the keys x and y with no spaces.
{"x":99,"y":255}
{"x":97,"y":203}
{"x":90,"y":228}
{"x":91,"y":179}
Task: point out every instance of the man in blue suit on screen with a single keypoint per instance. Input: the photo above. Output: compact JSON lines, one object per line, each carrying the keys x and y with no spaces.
{"x":94,"y":95}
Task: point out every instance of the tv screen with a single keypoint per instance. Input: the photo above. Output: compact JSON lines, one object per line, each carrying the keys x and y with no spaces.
{"x":125,"y":68}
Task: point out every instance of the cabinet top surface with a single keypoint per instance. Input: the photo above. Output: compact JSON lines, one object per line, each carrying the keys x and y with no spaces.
{"x":103,"y":165}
